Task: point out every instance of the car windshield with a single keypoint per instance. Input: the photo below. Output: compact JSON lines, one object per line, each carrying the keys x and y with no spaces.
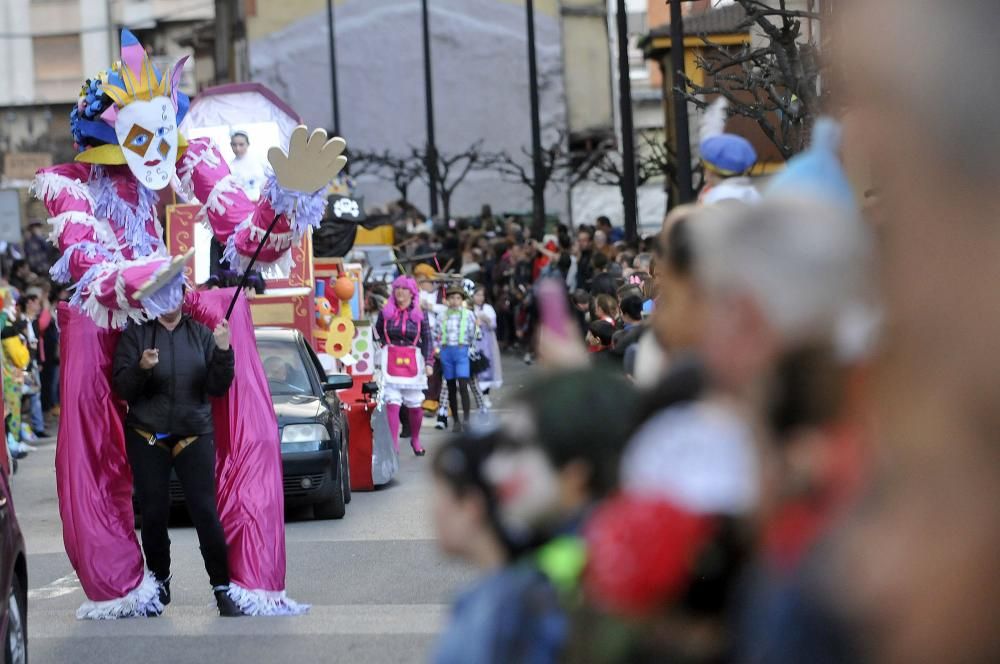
{"x":286,"y":372}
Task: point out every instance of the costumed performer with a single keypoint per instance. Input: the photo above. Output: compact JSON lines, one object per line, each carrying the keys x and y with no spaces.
{"x":407,"y":358}
{"x":486,"y":318}
{"x":104,"y":222}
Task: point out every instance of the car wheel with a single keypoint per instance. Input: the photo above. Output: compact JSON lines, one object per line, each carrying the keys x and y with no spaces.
{"x":16,"y":638}
{"x":335,"y":507}
{"x":346,"y":473}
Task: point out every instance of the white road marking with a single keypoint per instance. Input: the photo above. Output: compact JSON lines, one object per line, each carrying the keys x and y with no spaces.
{"x":62,"y":586}
{"x":328,"y":620}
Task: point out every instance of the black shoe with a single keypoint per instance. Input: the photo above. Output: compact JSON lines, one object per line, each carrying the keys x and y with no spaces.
{"x":164,"y":592}
{"x":458,"y":426}
{"x":41,"y":434}
{"x":227,"y":607}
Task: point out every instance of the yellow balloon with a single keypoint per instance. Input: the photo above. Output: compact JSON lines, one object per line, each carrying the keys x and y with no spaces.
{"x":340,"y":336}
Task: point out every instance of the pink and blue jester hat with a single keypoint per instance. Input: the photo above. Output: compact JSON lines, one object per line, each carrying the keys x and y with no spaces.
{"x":130,"y":114}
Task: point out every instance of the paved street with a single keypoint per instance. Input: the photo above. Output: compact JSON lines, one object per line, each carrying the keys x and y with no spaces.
{"x":379,"y":589}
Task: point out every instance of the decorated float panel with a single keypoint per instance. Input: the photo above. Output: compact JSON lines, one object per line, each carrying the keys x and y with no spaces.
{"x":288,"y":299}
{"x":322,"y":298}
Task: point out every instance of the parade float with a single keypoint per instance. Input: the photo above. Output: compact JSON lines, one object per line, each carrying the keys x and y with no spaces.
{"x":323,"y":298}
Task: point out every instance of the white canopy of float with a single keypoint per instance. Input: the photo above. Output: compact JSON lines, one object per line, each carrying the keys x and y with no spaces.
{"x":219,"y":111}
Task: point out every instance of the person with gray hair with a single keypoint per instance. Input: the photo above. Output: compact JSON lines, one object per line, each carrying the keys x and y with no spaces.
{"x":782,"y":273}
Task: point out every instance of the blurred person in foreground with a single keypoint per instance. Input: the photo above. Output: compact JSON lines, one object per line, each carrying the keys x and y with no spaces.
{"x":514,"y":502}
{"x":787,"y":287}
{"x":773,"y":283}
{"x":922,"y":555}
{"x":665,"y":556}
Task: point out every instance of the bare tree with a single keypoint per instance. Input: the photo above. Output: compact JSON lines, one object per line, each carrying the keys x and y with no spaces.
{"x":556,"y":165}
{"x":399,"y":170}
{"x":607,"y":164}
{"x":657,"y":157}
{"x":451,"y":169}
{"x":363,"y":162}
{"x":774,"y":83}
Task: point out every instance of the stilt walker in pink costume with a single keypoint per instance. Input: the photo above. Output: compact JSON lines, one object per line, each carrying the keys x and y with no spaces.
{"x":104,"y":221}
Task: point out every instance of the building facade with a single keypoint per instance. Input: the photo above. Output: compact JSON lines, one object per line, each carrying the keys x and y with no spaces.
{"x":480,"y":83}
{"x":48,"y":48}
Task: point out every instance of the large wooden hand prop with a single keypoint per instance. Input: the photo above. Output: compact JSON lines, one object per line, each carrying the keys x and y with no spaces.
{"x":163,"y":278}
{"x":312,"y":161}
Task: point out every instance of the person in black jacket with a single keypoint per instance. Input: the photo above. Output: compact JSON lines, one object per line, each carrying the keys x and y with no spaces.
{"x":166,"y":370}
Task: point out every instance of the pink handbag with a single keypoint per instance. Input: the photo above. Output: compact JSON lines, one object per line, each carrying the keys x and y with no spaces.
{"x":402,"y":361}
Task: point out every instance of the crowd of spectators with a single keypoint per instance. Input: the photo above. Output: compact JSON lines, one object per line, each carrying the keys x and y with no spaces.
{"x":30,"y":336}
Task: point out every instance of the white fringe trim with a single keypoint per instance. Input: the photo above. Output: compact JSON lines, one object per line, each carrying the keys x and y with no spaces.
{"x":139,"y":603}
{"x":186,"y":195}
{"x":50,"y":185}
{"x":105,"y":317}
{"x":270,"y":270}
{"x":103,"y":234}
{"x":217,"y":201}
{"x":160,"y":246}
{"x":277,"y":241}
{"x":194,"y":158}
{"x":265,"y":602}
{"x":120,"y":296}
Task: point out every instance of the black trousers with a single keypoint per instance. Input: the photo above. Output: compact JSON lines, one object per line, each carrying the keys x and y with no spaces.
{"x":195,"y":466}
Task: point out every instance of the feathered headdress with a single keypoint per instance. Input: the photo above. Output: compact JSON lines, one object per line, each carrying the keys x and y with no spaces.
{"x":133,"y":78}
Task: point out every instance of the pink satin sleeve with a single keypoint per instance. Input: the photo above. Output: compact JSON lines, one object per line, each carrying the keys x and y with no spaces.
{"x":248,"y":452}
{"x":93,"y":477}
{"x":237,"y":222}
{"x":240,"y":224}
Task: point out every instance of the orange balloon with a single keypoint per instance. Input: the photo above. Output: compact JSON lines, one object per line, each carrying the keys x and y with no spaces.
{"x":343,"y":288}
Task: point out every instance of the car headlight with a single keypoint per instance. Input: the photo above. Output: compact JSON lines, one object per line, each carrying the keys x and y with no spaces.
{"x":303,"y":433}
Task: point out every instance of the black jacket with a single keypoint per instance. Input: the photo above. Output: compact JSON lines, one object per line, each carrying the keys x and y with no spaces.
{"x":172,"y":397}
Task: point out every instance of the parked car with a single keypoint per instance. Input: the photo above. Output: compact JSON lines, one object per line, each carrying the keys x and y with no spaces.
{"x":13,"y":581}
{"x":311,"y":422}
{"x":311,"y":425}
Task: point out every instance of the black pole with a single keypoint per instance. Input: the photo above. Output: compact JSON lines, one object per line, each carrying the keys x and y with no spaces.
{"x":223,"y":41}
{"x":684,"y":188}
{"x":537,"y":191}
{"x":629,"y":194}
{"x":432,"y":163}
{"x":253,"y":260}
{"x":333,"y":68}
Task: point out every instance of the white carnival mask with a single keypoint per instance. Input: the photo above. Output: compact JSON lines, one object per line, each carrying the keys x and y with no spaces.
{"x":526,"y":486}
{"x":148,"y":135}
